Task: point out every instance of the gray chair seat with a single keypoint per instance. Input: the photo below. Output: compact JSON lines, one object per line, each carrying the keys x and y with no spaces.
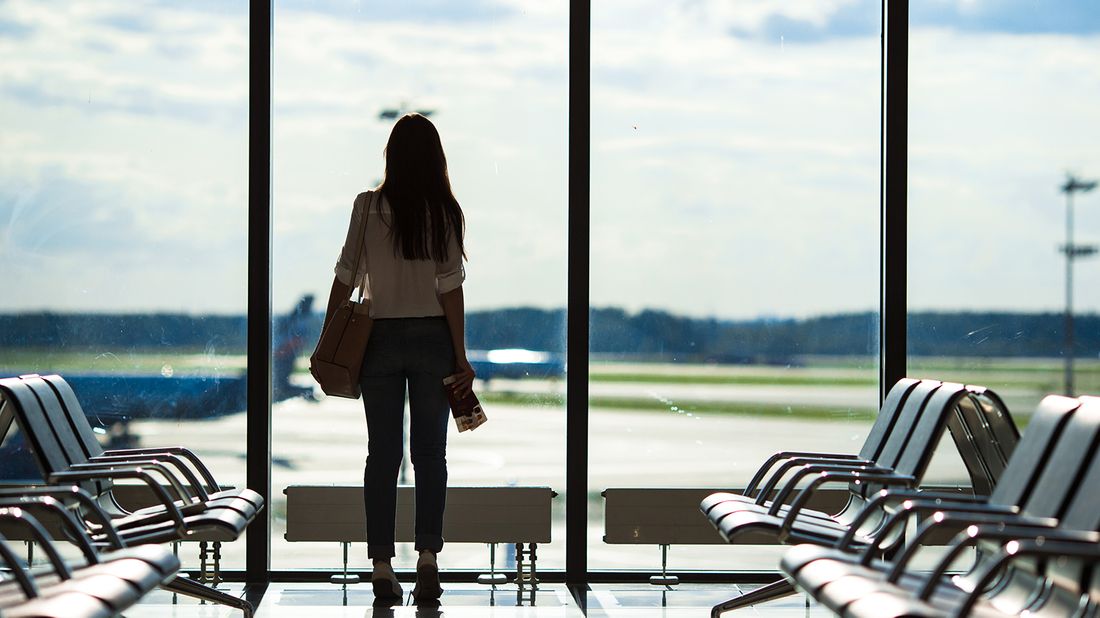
{"x":214,"y":524}
{"x":114,"y":591}
{"x":62,"y":605}
{"x":144,"y":515}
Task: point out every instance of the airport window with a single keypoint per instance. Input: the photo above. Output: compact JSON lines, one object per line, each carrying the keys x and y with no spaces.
{"x":735,"y":211}
{"x":493,"y":79}
{"x":736,"y":158}
{"x":123,"y":219}
{"x":1003,"y":136}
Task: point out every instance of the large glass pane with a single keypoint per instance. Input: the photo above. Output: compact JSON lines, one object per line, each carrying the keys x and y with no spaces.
{"x":493,"y":77}
{"x":1002,"y":117}
{"x":735,"y":197}
{"x":123,"y":205}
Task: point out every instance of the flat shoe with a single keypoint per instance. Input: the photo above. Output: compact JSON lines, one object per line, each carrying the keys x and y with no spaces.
{"x":427,"y":589}
{"x":386,"y":589}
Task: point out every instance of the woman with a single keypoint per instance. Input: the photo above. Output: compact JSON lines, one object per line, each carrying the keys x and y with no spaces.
{"x":410,"y":266}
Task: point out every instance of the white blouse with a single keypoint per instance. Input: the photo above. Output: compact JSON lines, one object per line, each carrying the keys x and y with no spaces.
{"x":396,"y":287}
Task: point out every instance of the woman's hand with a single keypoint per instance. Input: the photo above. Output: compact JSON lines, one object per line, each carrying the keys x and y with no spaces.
{"x":465,"y":375}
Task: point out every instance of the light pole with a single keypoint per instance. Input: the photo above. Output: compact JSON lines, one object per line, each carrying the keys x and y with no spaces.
{"x":1072,"y":251}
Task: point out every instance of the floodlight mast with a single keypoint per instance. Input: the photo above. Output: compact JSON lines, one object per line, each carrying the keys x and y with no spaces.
{"x":1072,"y":251}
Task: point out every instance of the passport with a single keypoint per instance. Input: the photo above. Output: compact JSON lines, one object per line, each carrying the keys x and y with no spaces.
{"x":466,"y":410}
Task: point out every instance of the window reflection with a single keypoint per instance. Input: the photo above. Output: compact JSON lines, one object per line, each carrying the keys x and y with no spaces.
{"x":123,"y":170}
{"x":987,"y":201}
{"x":735,"y":198}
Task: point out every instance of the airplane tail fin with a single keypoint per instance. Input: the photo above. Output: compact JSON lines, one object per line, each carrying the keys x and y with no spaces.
{"x":293,"y":332}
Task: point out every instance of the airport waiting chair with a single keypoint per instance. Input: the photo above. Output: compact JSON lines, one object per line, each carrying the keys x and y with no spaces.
{"x":980,"y":426}
{"x":903,"y":459}
{"x":779,"y":463}
{"x":207,"y":490}
{"x":92,"y":586}
{"x":1021,"y":483}
{"x":88,"y":450}
{"x":55,"y":419}
{"x":44,"y":417}
{"x":1036,"y":538}
{"x":888,"y":436}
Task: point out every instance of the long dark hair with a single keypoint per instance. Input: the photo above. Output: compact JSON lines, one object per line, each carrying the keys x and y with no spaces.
{"x":416,"y":183}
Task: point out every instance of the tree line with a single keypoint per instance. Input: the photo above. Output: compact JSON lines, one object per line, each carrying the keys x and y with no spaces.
{"x":614,"y":333}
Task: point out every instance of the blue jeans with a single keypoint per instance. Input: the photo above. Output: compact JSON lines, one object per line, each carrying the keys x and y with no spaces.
{"x":419,"y":352}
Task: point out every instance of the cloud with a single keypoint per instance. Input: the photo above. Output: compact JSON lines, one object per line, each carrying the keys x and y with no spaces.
{"x":128,"y":22}
{"x":1075,"y":17}
{"x":70,"y":242}
{"x":11,"y":29}
{"x":423,"y":11}
{"x":125,"y":98}
{"x":858,"y":18}
{"x":729,"y":177}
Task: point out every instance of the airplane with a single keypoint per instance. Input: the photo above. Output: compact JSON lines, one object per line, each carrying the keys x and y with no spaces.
{"x":393,"y":113}
{"x":515,"y":364}
{"x":125,"y":397}
{"x":113,"y":400}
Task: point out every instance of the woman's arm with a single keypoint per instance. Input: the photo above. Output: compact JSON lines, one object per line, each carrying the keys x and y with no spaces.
{"x":454,"y":311}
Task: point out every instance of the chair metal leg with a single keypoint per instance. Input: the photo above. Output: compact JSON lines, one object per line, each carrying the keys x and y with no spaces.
{"x":770,"y":592}
{"x":191,"y":588}
{"x":203,"y":557}
{"x":217,"y":564}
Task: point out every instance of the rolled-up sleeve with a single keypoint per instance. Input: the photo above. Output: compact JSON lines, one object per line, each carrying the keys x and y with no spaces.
{"x":354,"y":247}
{"x":450,"y":273}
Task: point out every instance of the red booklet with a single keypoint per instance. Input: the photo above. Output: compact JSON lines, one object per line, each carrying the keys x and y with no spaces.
{"x":466,"y":410}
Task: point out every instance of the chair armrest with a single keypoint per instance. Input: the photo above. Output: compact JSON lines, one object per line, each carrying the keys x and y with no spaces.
{"x":820,"y":470}
{"x":212,"y":486}
{"x":1088,"y":551}
{"x":832,"y":477}
{"x":166,"y":458}
{"x":911,"y":507}
{"x":26,"y":582}
{"x":782,"y":455}
{"x":181,"y":492}
{"x":996,"y":532}
{"x":920,"y":494}
{"x":129,"y":473}
{"x":971,"y":521}
{"x":26,"y":520}
{"x":70,"y":492}
{"x":79,"y":534}
{"x":795,"y":462}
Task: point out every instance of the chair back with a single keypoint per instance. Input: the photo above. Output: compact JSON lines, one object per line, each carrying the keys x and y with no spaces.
{"x":887,"y":418}
{"x":75,"y":416}
{"x":1064,"y":490}
{"x":926,"y":434}
{"x":1034,"y":450}
{"x":1058,"y":482}
{"x":984,"y":436}
{"x":34,"y":404}
{"x":897,"y":440}
{"x":1082,"y":513}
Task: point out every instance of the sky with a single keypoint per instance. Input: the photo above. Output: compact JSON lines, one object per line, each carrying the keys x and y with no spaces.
{"x":735,"y":149}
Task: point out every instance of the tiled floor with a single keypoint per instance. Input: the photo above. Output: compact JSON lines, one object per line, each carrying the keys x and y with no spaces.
{"x":472,"y":600}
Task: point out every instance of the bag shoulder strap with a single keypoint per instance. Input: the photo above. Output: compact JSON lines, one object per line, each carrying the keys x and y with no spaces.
{"x":361,"y":245}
